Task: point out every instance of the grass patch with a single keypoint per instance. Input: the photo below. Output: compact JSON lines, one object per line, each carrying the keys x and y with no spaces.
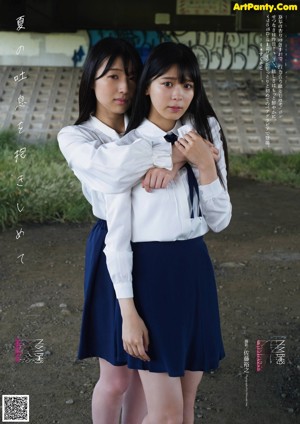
{"x":267,"y":166}
{"x":49,"y":191}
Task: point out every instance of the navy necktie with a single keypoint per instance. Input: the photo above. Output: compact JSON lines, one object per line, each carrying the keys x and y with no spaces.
{"x":192,"y":181}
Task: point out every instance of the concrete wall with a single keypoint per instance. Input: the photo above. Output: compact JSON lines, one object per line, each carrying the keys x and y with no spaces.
{"x":40,"y":49}
{"x":215,"y":50}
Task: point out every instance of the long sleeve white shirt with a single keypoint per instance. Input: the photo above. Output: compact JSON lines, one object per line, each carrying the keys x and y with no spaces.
{"x":101,"y":166}
{"x":164,"y":214}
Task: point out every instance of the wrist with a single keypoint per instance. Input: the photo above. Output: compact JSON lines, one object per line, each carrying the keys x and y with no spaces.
{"x":177,"y":166}
{"x":207,"y":174}
{"x":127,"y":307}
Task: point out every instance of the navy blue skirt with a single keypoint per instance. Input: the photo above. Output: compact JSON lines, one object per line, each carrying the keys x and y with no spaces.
{"x":101,"y":328}
{"x":175,"y":294}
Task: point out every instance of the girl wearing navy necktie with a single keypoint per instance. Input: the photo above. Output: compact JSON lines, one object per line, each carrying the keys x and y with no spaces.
{"x":156,"y":256}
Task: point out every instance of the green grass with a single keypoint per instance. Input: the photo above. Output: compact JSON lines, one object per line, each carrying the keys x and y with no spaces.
{"x":267,"y":166}
{"x":51,"y":192}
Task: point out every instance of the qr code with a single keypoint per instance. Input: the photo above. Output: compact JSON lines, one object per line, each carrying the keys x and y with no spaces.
{"x":15,"y":408}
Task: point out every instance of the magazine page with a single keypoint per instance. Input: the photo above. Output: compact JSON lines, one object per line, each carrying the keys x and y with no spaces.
{"x":53,"y":208}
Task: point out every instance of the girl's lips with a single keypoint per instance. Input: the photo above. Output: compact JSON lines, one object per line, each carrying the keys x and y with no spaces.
{"x":121,"y":101}
{"x":175,"y":108}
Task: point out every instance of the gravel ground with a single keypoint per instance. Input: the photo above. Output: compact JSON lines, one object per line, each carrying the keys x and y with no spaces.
{"x":257,"y":268}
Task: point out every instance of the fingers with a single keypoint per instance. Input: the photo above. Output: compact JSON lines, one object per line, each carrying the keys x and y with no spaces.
{"x":188,"y":140}
{"x":158,"y":182}
{"x":151,"y":180}
{"x":156,"y":178}
{"x":165,"y":181}
{"x":142,"y":352}
{"x":182,"y":145}
{"x":193,"y":136}
{"x":137,"y":349}
{"x":191,"y":139}
{"x":146,"y":183}
{"x":216,"y":156}
{"x":137,"y":341}
{"x":213,"y":149}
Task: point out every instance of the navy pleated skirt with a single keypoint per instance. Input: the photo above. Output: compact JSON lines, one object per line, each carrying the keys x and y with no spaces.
{"x":175,"y":294}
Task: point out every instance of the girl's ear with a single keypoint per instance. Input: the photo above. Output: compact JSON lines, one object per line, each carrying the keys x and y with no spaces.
{"x":147,"y":91}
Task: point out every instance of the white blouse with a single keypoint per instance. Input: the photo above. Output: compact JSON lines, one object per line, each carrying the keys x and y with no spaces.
{"x":164,"y":214}
{"x":101,"y":166}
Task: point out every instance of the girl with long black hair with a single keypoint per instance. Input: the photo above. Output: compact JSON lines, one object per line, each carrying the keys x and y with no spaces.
{"x":156,"y":256}
{"x":111,"y":71}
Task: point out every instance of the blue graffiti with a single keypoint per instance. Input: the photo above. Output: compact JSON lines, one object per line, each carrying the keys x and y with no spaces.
{"x":143,"y":41}
{"x":77,"y":56}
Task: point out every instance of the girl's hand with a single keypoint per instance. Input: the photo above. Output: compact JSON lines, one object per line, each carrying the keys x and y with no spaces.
{"x":214,"y":151}
{"x":134,"y":332}
{"x":196,"y":149}
{"x":135,"y":337}
{"x":199,"y":152}
{"x":159,"y":177}
{"x":177,"y":156}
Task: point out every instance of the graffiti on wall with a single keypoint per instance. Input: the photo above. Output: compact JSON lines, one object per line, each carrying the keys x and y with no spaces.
{"x":214,"y":50}
{"x":143,"y":41}
{"x":223,"y":50}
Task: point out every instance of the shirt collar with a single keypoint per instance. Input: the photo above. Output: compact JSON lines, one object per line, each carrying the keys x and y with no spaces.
{"x":176,"y":128}
{"x":148,"y":128}
{"x":110,"y":132}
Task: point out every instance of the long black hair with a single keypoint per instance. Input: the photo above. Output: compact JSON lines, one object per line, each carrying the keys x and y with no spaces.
{"x":160,"y":60}
{"x":107,"y":48}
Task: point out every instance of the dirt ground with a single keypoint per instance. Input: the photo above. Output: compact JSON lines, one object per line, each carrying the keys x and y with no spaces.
{"x":257,"y":268}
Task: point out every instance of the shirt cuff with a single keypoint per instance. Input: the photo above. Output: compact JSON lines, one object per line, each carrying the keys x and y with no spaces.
{"x":211,"y":190}
{"x":123,"y":290}
{"x":162,"y":155}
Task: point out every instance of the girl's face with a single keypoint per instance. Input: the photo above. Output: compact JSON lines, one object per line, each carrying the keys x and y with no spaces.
{"x":114,"y":91}
{"x":170,"y":98}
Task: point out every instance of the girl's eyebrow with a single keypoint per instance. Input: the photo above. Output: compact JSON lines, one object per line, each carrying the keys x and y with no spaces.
{"x":175,"y":78}
{"x":115,"y":69}
{"x":121,"y":70}
{"x":166,"y":77}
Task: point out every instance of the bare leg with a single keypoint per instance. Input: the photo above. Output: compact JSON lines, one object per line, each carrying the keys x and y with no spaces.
{"x":108,"y":393}
{"x":189,"y":384}
{"x":164,"y":398}
{"x":134,"y":407}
